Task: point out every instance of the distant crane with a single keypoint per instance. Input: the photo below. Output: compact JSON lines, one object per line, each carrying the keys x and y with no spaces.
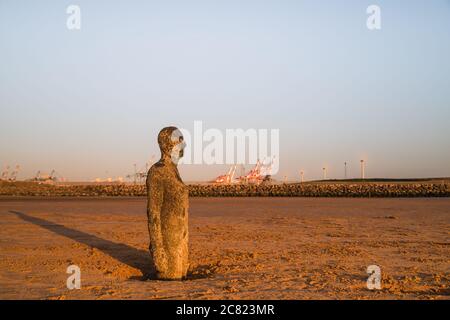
{"x":226,"y":178}
{"x":43,"y":177}
{"x":6,"y":176}
{"x":261,"y":173}
{"x":14,"y":174}
{"x":139,"y":176}
{"x":5,"y":173}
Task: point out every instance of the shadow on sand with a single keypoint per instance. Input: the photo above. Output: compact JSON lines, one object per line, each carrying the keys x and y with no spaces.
{"x":135,"y":258}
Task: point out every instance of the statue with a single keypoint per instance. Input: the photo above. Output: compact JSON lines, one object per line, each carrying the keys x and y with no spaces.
{"x":167,"y":209}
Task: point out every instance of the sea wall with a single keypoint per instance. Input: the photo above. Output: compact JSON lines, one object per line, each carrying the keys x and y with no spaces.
{"x":277,"y":190}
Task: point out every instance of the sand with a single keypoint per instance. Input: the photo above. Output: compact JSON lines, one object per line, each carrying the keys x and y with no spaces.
{"x":240,"y":248}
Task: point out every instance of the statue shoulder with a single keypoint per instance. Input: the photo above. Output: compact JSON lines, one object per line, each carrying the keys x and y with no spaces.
{"x":156,"y":171}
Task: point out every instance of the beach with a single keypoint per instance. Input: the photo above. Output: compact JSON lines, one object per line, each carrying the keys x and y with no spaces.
{"x":240,"y":248}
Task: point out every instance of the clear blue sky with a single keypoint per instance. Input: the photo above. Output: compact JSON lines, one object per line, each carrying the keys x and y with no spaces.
{"x":90,"y":103}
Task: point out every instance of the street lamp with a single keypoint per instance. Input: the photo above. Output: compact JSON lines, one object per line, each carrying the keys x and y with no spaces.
{"x":362,"y":170}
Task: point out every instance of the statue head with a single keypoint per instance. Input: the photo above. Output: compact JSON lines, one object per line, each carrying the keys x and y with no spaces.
{"x":171,"y":143}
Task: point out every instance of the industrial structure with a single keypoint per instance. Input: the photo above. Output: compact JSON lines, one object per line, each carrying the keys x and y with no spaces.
{"x":139,"y":176}
{"x":52,"y":177}
{"x":6,"y":176}
{"x":226,"y":178}
{"x":260,"y":173}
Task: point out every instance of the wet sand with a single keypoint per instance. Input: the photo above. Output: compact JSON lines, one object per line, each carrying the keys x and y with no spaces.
{"x":240,"y":248}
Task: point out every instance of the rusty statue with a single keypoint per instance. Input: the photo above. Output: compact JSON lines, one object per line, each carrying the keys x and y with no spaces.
{"x":167,"y":209}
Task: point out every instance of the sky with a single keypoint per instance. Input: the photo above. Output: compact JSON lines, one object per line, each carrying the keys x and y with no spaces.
{"x":89,"y":103}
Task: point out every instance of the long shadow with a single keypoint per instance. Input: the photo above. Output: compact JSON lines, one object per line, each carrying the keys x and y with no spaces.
{"x":135,"y":258}
{"x":138,"y":259}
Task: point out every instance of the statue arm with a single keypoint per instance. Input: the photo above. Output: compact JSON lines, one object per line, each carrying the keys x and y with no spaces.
{"x":155,"y":194}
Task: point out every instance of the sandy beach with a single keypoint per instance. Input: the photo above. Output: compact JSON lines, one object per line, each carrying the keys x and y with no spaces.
{"x":240,"y":248}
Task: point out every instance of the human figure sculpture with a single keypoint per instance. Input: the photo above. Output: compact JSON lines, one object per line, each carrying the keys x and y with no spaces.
{"x":167,"y":209}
